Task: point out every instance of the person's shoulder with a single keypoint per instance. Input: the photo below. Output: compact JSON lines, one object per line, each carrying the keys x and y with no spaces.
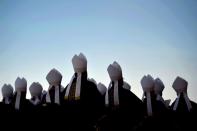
{"x":92,"y":87}
{"x":130,"y":93}
{"x":130,"y":96}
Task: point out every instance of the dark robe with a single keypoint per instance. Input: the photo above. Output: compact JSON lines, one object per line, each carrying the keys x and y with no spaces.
{"x":84,"y":113}
{"x":6,"y":110}
{"x":184,"y":119}
{"x":36,"y":109}
{"x":6,"y":114}
{"x":21,"y":115}
{"x":24,"y":103}
{"x":52,"y":113}
{"x":51,"y":109}
{"x":125,"y":116}
{"x":52,"y":104}
{"x":37,"y":115}
{"x":161,"y":118}
{"x":158,"y":107}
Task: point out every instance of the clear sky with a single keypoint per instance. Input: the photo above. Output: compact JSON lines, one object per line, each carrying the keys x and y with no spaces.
{"x":157,"y":37}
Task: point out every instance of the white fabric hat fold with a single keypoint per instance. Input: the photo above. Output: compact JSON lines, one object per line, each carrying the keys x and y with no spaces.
{"x":35,"y":89}
{"x":158,"y":86}
{"x":79,"y":63}
{"x":20,"y":85}
{"x":115,"y":64}
{"x":114,"y":71}
{"x":54,"y":77}
{"x":180,"y":85}
{"x":7,"y":90}
{"x":102,"y":88}
{"x":147,"y":83}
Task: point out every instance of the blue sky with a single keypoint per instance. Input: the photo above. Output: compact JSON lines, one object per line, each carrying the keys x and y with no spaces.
{"x":156,"y":37}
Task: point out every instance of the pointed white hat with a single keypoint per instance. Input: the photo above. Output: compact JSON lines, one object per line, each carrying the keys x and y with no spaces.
{"x":54,"y":77}
{"x":20,"y":85}
{"x":158,"y":86}
{"x":102,"y":88}
{"x":35,"y":89}
{"x":7,"y":90}
{"x":79,"y":63}
{"x":114,"y":71}
{"x":180,"y":85}
{"x":147,"y":83}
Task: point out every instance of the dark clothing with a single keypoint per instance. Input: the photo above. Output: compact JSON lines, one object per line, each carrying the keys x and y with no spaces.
{"x":184,"y":119}
{"x":82,"y":114}
{"x":125,"y":116}
{"x":6,"y":111}
{"x":161,"y":118}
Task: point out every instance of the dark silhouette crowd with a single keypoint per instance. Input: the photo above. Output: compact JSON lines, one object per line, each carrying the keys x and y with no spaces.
{"x":85,"y":105}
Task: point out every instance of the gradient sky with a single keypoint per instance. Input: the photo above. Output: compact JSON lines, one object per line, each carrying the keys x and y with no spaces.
{"x":157,"y":37}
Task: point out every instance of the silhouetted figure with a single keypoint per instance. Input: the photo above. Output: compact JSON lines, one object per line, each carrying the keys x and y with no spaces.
{"x":157,"y":111}
{"x":184,"y":109}
{"x":21,"y":104}
{"x":124,"y":109}
{"x":53,"y":100}
{"x":102,"y":89}
{"x":6,"y":106}
{"x":161,"y":106}
{"x":36,"y":97}
{"x":36,"y":110}
{"x":82,"y":98}
{"x":7,"y":111}
{"x":147,"y":84}
{"x":54,"y":95}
